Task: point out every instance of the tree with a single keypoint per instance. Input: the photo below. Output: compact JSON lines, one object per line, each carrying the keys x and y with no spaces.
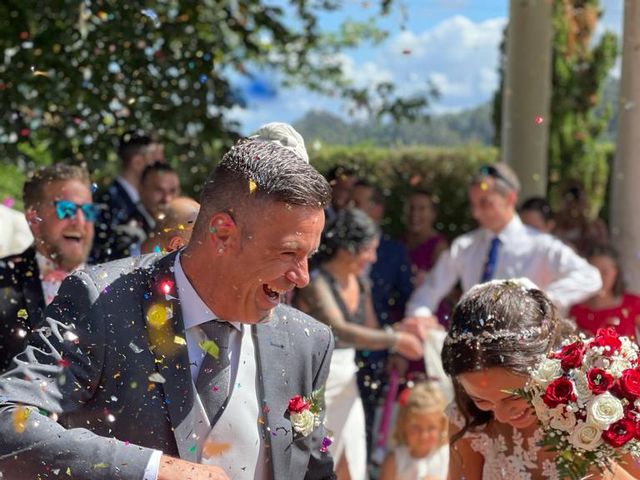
{"x":78,"y":73}
{"x":576,"y":124}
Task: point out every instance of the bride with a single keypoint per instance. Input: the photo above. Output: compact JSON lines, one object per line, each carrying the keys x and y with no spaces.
{"x":498,"y":332}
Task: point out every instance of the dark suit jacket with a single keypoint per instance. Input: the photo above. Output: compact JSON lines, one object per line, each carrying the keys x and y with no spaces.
{"x":20,"y":289}
{"x":94,"y":356}
{"x":120,"y":224}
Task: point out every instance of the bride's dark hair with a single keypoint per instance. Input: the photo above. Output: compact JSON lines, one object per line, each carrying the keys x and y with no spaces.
{"x":498,"y":324}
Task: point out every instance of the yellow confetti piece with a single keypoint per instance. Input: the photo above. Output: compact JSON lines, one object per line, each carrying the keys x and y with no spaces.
{"x":100,"y":465}
{"x":22,"y":313}
{"x":252,"y":186}
{"x":157,"y":316}
{"x":20,"y":417}
{"x":211,"y":449}
{"x":179,"y":340}
{"x":68,"y":472}
{"x":210,"y":347}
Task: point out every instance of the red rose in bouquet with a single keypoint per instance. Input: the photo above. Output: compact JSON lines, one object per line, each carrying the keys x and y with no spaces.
{"x":559,"y":392}
{"x":620,"y":433}
{"x":298,"y":404}
{"x":607,"y":337}
{"x":599,"y":381}
{"x":629,"y":384}
{"x":570,"y":356}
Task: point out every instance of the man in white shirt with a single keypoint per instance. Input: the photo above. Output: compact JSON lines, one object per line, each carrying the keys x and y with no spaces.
{"x":503,"y":247}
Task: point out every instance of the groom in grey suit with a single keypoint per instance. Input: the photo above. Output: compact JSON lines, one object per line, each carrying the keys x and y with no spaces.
{"x":183,"y":366}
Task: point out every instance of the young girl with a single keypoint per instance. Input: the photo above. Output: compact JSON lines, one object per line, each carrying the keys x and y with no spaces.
{"x":498,"y":332}
{"x":421,"y":451}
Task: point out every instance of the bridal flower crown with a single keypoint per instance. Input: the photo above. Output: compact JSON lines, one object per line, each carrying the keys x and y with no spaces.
{"x":587,"y":400}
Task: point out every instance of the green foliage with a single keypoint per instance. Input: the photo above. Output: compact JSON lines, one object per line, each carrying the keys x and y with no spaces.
{"x":77,"y":73}
{"x":452,"y":129}
{"x":579,"y":118}
{"x":397,"y":171}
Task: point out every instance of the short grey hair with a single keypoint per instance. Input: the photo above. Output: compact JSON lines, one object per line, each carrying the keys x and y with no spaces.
{"x":255,"y":172}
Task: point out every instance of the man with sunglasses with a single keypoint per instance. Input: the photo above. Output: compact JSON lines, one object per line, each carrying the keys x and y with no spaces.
{"x":503,"y":247}
{"x":61,"y":214}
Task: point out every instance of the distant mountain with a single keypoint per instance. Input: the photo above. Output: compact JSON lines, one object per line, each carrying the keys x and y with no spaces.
{"x":452,"y":129}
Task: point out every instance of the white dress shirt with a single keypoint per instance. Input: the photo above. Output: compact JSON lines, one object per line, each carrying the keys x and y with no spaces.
{"x":245,"y":458}
{"x":524,"y":252}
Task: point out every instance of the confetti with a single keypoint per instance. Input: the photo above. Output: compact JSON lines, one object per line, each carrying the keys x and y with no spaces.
{"x":326,"y":442}
{"x":20,"y":417}
{"x":252,"y":186}
{"x":8,"y":202}
{"x":134,"y":347}
{"x":71,"y":337}
{"x":157,"y":378}
{"x":539,"y":120}
{"x":22,"y":313}
{"x":100,"y":465}
{"x":156,"y":249}
{"x":94,"y":187}
{"x":212,"y":449}
{"x":210,"y":347}
{"x":152,"y":15}
{"x":157,"y":316}
{"x":179,"y":340}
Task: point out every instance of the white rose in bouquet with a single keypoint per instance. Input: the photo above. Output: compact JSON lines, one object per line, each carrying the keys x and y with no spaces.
{"x":603,"y":410}
{"x":562,"y":419}
{"x":548,"y":370}
{"x":303,"y":422}
{"x":586,"y":436}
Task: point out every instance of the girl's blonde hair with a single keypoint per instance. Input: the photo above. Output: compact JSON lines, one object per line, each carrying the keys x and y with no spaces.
{"x":423,"y":397}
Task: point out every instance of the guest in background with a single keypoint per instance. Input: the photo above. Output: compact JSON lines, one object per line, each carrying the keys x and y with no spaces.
{"x":339,"y":296}
{"x":173,"y":229}
{"x":342,"y":179}
{"x":159,"y":185}
{"x":60,"y":214}
{"x":390,"y":277}
{"x":421,"y":441}
{"x":612,"y":306}
{"x":537,"y":213}
{"x":573,"y":222}
{"x":15,"y":235}
{"x":423,"y":242}
{"x":504,"y":248}
{"x":120,"y":219}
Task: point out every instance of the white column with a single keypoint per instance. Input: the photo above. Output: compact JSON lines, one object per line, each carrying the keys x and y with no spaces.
{"x":625,"y":182}
{"x":527,"y":92}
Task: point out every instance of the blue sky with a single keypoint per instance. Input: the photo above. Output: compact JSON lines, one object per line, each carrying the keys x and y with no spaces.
{"x":452,"y":43}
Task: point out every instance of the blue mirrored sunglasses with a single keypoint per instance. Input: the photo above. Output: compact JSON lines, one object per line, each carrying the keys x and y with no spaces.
{"x":67,"y":209}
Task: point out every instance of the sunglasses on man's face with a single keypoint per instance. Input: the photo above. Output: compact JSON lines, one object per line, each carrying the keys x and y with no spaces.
{"x":68,"y":209}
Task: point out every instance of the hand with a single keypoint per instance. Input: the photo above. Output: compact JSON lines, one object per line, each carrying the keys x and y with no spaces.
{"x":176,"y":469}
{"x":408,"y":345}
{"x":419,"y":326}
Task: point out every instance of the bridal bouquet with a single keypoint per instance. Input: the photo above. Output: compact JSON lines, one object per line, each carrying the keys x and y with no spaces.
{"x":587,"y":399}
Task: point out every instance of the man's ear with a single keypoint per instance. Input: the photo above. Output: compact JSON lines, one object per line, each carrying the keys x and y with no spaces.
{"x":175,"y":243}
{"x":33,"y":221}
{"x":223,"y":231}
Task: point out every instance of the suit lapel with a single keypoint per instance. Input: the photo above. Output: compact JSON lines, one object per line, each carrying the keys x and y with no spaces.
{"x":271,"y":345}
{"x":166,"y":333}
{"x":32,"y":287}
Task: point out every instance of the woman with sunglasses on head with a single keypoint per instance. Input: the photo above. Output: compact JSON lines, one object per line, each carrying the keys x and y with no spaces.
{"x":60,"y":212}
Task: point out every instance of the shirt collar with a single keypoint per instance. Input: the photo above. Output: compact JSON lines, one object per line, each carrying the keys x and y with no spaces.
{"x":130,"y":189}
{"x":45,"y":265}
{"x":513,"y":227}
{"x":194,"y":311}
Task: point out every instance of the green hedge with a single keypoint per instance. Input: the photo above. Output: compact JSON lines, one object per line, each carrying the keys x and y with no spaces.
{"x":443,"y":171}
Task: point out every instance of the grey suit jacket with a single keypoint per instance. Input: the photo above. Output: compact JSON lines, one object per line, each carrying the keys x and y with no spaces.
{"x":84,"y":378}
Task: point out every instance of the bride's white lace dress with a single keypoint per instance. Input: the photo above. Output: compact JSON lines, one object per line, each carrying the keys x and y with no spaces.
{"x":507,"y":454}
